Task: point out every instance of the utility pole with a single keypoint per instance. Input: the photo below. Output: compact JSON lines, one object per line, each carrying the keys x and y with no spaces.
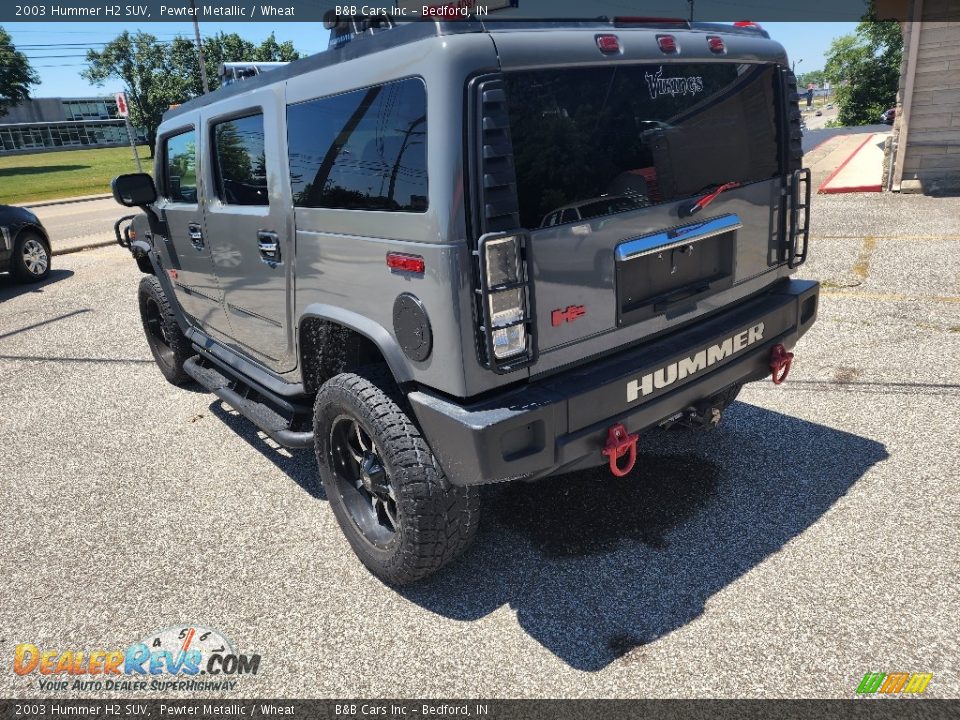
{"x":196,"y":32}
{"x":690,"y":3}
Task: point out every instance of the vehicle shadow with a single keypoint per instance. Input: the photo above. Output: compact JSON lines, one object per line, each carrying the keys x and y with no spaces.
{"x":596,"y":566}
{"x":10,"y":288}
{"x":298,"y":465}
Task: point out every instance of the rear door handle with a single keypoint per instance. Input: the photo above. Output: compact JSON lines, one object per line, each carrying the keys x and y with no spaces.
{"x":268,"y":243}
{"x":196,"y":235}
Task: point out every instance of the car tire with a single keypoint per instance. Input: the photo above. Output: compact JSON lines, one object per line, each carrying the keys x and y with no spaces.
{"x":401,"y":516}
{"x":170,"y":347}
{"x":30,"y":261}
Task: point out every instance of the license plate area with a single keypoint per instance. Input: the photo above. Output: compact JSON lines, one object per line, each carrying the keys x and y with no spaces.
{"x":668,"y":271}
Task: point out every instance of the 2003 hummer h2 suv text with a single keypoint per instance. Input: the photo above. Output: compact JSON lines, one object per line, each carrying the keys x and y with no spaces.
{"x":447,"y":254}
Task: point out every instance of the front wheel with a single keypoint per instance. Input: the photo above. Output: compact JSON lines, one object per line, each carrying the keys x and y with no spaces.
{"x":170,"y":347}
{"x":400,"y":514}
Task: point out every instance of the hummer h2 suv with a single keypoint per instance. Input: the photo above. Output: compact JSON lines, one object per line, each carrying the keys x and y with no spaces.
{"x":444,"y":254}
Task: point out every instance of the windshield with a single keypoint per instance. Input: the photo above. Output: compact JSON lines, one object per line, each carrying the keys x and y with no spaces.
{"x":612,"y":139}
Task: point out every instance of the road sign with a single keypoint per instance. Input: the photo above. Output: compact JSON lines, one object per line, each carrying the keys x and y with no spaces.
{"x":122,"y":109}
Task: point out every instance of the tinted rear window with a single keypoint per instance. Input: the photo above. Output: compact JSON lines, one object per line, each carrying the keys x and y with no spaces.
{"x":612,"y":139}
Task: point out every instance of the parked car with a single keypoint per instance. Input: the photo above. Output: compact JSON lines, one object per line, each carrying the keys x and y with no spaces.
{"x":889,"y":116}
{"x":348,"y":250}
{"x":24,"y":244}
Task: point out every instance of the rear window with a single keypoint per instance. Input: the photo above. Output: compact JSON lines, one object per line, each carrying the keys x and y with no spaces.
{"x":610,"y":139}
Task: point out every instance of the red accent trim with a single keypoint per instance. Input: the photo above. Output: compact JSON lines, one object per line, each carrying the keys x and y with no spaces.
{"x":707,"y":199}
{"x":842,"y":166}
{"x":780,"y":363}
{"x":406,"y":263}
{"x":620,"y":443}
{"x":559,"y":317}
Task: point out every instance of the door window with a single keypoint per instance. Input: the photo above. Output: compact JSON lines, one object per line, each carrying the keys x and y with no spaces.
{"x":240,"y":161}
{"x":180,"y":174}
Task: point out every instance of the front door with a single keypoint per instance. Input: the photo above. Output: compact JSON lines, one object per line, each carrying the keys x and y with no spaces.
{"x":249,"y":220}
{"x":179,"y":204}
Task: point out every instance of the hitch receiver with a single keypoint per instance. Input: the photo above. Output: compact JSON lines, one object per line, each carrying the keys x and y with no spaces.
{"x":620,"y":443}
{"x":780,"y":362}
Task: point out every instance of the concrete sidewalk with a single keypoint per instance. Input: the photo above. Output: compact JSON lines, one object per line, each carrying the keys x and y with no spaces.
{"x":74,"y":226}
{"x":862,"y":171}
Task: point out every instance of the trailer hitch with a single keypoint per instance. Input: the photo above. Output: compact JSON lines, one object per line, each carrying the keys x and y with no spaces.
{"x":780,"y":362}
{"x":620,"y":443}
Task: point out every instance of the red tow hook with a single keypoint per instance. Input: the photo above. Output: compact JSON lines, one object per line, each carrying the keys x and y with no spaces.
{"x":619,"y":443}
{"x":780,"y":361}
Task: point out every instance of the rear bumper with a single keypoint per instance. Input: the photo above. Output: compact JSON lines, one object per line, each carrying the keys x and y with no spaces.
{"x":561,"y":423}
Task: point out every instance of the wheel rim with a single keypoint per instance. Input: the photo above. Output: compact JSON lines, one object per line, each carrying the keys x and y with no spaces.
{"x":157,"y":332}
{"x":35,"y":258}
{"x":363,"y":482}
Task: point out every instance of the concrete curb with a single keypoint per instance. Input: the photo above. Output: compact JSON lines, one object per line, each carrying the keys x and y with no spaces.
{"x":66,"y":201}
{"x":824,"y":190}
{"x":87,"y":246}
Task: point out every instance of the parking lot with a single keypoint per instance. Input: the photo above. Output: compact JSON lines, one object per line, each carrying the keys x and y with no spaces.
{"x":810,"y":539}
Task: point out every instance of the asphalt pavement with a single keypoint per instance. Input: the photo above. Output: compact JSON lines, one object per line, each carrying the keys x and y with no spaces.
{"x":810,"y":539}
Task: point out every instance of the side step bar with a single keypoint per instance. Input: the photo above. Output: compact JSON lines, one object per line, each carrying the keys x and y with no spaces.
{"x":252,"y":408}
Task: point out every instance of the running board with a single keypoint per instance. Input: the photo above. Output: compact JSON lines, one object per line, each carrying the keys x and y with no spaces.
{"x":256,"y":411}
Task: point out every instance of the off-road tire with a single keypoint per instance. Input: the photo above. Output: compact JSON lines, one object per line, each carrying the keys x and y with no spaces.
{"x":18,"y":262}
{"x":170,"y":347}
{"x":435,"y":520}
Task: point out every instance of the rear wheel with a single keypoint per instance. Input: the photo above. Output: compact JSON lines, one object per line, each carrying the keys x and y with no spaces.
{"x":31,"y":257}
{"x":170,"y":347}
{"x":400,"y":515}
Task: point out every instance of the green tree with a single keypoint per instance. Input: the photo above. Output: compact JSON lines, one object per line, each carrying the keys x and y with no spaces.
{"x":143,"y":64}
{"x":158,"y":75}
{"x":16,"y":75}
{"x":220,"y":48}
{"x":814,"y":76}
{"x":865,"y":71}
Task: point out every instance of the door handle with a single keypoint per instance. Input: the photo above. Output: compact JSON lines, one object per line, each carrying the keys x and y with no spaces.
{"x":268,"y":242}
{"x":196,"y":235}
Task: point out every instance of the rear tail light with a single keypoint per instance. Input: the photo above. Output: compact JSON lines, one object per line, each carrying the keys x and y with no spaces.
{"x":667,"y":43}
{"x":506,"y":298}
{"x":608,"y":44}
{"x":716,"y":45}
{"x":747,"y":23}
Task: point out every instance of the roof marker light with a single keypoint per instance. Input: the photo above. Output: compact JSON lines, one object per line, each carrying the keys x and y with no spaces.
{"x":608,"y":44}
{"x":667,"y":43}
{"x":715,"y":43}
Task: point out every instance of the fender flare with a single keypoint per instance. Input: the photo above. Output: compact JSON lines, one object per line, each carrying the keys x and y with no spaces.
{"x":373,"y":331}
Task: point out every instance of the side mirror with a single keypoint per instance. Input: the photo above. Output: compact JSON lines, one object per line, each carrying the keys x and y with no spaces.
{"x":134,"y":190}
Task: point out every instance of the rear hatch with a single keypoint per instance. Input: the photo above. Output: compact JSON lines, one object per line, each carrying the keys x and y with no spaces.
{"x":609,"y":155}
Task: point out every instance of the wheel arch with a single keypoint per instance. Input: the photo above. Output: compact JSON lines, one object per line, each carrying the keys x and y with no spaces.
{"x":359,"y":341}
{"x":33,"y":227}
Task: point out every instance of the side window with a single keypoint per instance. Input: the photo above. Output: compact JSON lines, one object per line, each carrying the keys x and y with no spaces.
{"x":180,"y":173}
{"x":362,"y":150}
{"x":240,"y":161}
{"x":570,"y":215}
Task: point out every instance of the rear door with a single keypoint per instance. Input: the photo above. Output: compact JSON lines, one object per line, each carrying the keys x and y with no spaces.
{"x":181,"y":190}
{"x":249,"y":221}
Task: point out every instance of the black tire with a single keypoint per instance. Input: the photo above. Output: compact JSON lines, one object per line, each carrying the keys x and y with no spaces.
{"x":401,"y":516}
{"x":30,"y":261}
{"x":167,"y":342}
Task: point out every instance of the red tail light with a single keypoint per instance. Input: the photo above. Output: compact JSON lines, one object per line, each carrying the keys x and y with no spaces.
{"x":716,"y":45}
{"x":747,"y":23}
{"x":406,"y":263}
{"x":608,"y":44}
{"x":667,"y":43}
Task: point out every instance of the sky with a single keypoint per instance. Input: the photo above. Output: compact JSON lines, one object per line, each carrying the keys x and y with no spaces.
{"x":59,"y":67}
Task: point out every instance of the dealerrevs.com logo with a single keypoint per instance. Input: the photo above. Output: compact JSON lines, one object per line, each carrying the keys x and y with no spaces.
{"x":189,"y":657}
{"x":906,"y":684}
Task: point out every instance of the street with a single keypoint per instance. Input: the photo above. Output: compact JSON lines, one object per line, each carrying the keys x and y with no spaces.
{"x":80,"y":224}
{"x":810,"y":539}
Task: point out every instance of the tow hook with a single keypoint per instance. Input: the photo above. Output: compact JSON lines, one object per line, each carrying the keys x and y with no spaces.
{"x":780,"y":361}
{"x":620,"y":443}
